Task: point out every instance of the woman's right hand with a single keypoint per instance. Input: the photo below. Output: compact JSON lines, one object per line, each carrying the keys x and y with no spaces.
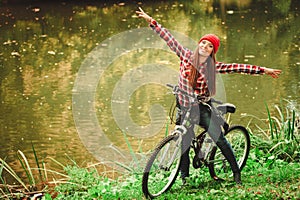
{"x":142,"y":14}
{"x":273,"y":72}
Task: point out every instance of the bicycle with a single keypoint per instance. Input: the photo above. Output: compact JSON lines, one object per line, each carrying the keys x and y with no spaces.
{"x":162,"y":167}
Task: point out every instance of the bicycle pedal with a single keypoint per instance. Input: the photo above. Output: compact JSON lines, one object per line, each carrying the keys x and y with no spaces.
{"x":197,"y":162}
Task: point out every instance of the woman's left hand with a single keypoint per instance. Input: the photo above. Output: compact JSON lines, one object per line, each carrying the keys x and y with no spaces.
{"x":273,"y":72}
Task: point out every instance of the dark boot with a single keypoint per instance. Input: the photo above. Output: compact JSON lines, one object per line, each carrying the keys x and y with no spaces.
{"x":185,"y":149}
{"x":184,"y":182}
{"x":227,"y":151}
{"x":237,"y":178}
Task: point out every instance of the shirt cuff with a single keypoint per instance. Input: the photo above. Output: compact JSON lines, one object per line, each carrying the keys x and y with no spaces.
{"x":153,"y":23}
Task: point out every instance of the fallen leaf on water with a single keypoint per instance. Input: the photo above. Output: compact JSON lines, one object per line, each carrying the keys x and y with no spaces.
{"x":51,"y":52}
{"x":15,"y":53}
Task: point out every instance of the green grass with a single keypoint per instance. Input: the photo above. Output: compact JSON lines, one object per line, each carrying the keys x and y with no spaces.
{"x":263,"y":178}
{"x":281,"y":180}
{"x":272,"y":172}
{"x":259,"y":181}
{"x":280,"y":139}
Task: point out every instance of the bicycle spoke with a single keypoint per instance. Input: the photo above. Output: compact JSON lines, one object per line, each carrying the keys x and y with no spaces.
{"x":162,"y":168}
{"x":239,"y":139}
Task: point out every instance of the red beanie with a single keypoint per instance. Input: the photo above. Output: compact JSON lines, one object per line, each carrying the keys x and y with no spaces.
{"x":213,"y":39}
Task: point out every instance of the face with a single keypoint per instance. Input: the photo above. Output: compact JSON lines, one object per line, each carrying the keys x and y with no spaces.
{"x":205,"y":48}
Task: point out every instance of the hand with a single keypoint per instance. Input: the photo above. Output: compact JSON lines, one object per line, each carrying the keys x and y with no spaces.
{"x":273,"y":72}
{"x":142,"y":14}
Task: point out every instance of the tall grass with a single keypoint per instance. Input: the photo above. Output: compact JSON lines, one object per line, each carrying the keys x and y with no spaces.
{"x":281,"y":138}
{"x":25,"y":187}
{"x":138,"y":158}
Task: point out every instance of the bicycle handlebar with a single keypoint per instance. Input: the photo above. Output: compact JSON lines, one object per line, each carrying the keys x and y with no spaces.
{"x":176,"y":90}
{"x":194,"y":97}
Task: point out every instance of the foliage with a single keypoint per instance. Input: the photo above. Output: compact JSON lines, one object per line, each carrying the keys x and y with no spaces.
{"x":260,"y":180}
{"x":84,"y":183}
{"x":35,"y":186}
{"x":31,"y":186}
{"x":281,"y":139}
{"x":272,"y":171}
{"x":269,"y":173}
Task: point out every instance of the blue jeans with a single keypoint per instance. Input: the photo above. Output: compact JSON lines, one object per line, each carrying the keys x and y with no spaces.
{"x":202,"y":115}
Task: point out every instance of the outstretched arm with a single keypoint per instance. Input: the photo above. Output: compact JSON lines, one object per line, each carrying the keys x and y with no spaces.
{"x":246,"y":68}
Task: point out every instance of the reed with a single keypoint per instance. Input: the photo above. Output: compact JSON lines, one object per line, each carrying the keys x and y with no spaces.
{"x":6,"y":190}
{"x":30,"y":185}
{"x":281,"y":139}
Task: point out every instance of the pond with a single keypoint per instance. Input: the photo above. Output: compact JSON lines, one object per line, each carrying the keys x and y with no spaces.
{"x":79,"y":81}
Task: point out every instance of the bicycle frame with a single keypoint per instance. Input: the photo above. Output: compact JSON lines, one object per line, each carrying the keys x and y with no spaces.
{"x":178,"y":145}
{"x":198,"y":141}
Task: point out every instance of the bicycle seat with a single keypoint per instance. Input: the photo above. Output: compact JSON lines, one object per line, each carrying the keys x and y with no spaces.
{"x":226,"y":107}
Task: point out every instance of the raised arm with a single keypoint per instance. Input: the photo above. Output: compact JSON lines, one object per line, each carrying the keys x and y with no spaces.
{"x":173,"y":44}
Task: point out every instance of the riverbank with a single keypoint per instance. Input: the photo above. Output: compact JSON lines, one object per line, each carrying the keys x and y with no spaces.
{"x":263,"y":178}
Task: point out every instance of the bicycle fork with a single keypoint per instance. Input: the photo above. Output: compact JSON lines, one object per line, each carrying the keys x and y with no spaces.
{"x":166,"y":156}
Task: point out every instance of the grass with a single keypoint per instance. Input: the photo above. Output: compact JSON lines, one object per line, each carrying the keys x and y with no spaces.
{"x":22,"y":189}
{"x":30,"y":186}
{"x":282,"y":136}
{"x":281,"y":180}
{"x":272,"y":172}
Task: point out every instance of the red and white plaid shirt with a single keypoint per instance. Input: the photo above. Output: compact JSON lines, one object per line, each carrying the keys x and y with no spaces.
{"x":184,"y":54}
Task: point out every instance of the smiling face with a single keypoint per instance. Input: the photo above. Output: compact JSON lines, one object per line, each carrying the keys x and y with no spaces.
{"x":205,"y":48}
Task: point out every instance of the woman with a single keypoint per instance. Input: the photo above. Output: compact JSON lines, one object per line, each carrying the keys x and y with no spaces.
{"x":198,"y":76}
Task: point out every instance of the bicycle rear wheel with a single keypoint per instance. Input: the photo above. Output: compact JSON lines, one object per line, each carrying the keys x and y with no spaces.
{"x":239,"y":138}
{"x":162,"y":168}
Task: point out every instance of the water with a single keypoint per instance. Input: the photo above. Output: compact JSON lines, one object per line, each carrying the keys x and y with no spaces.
{"x":49,"y":100}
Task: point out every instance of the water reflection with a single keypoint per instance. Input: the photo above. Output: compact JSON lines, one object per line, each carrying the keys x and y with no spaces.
{"x":43,"y":46}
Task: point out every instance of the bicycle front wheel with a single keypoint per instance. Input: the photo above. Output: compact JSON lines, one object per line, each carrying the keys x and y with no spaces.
{"x":238,"y":137}
{"x":162,"y":168}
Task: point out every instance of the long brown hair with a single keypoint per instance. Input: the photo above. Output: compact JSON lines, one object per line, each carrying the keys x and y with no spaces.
{"x":210,"y":71}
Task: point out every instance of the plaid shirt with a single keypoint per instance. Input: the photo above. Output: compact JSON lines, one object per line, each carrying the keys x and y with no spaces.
{"x":184,"y":54}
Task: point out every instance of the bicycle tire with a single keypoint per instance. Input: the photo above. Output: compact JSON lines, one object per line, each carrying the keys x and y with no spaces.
{"x":158,"y":177}
{"x":239,"y":139}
